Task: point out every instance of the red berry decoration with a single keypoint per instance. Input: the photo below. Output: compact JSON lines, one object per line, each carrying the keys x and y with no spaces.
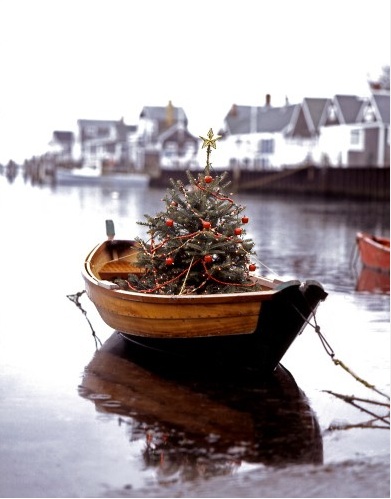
{"x":174,"y":203}
{"x":238,"y":231}
{"x":169,"y":260}
{"x":205,"y":224}
{"x":245,"y":220}
{"x":252,"y":267}
{"x":208,"y":259}
{"x":208,"y":179}
{"x":169,"y":222}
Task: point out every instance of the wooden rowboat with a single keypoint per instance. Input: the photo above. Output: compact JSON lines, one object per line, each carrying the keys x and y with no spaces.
{"x":253,"y":328}
{"x":374,"y":251}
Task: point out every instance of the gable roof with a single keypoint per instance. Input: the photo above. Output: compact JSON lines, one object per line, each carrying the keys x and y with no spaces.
{"x":308,"y":117}
{"x":178,"y":133}
{"x":255,"y":119}
{"x":382,"y":107}
{"x":315,"y":110}
{"x":349,"y":108}
{"x":164,"y":116}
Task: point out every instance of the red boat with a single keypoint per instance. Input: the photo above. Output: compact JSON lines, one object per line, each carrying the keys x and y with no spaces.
{"x":374,"y":251}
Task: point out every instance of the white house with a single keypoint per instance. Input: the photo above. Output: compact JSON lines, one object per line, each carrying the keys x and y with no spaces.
{"x":268,"y":137}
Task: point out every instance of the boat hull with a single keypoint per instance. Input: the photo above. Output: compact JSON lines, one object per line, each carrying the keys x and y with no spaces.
{"x":76,"y":177}
{"x":374,"y":251}
{"x":280,"y":321}
{"x":256,"y":327}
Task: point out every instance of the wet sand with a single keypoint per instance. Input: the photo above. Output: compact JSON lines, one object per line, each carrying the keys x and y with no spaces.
{"x":348,"y":479}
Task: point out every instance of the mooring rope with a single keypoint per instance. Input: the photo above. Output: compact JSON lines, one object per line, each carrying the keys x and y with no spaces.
{"x":329,"y":350}
{"x":76,"y":300}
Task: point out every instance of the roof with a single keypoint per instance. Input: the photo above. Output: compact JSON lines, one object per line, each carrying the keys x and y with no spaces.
{"x":101,"y":128}
{"x":255,"y":119}
{"x":382,"y":107}
{"x":84,"y":123}
{"x":316,"y":111}
{"x":165,"y":116}
{"x":349,"y":108}
{"x":308,"y":117}
{"x":179,"y":134}
{"x":63,"y":136}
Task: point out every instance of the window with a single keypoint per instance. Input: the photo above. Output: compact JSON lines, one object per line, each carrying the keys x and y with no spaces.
{"x":171,"y":149}
{"x":355,"y":137}
{"x":266,"y":146}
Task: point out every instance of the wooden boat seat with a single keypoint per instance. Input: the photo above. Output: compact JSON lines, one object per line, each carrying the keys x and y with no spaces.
{"x":118,"y":268}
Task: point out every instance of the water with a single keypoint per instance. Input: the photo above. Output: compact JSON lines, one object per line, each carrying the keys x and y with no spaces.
{"x":76,"y":422}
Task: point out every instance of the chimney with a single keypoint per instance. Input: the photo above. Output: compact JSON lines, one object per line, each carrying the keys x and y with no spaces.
{"x":169,"y":114}
{"x":234,"y":110}
{"x":268,"y":98}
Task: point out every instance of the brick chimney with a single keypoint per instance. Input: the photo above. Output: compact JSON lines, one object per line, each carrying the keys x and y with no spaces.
{"x":268,"y":100}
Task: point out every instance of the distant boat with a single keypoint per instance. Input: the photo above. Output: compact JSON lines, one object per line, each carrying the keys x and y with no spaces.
{"x":93,"y":176}
{"x":374,"y":251}
{"x":252,"y":328}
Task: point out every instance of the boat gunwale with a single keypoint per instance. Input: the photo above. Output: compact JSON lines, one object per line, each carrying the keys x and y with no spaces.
{"x":111,"y":288}
{"x":374,"y":241}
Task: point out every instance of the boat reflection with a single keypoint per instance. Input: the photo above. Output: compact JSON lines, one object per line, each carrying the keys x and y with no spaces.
{"x":203,"y":423}
{"x":373,"y":281}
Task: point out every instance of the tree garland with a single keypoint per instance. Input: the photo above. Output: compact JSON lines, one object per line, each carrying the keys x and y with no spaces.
{"x":194,"y":245}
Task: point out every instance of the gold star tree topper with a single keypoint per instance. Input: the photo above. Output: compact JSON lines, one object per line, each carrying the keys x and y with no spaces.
{"x":209,"y":142}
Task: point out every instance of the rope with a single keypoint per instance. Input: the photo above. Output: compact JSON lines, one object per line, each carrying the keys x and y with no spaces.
{"x":337,"y":362}
{"x":76,"y":300}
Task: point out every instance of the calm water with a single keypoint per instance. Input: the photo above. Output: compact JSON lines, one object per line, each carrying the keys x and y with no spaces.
{"x":76,"y":422}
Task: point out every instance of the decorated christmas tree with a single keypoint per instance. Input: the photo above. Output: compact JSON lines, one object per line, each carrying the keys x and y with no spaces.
{"x":197,"y":245}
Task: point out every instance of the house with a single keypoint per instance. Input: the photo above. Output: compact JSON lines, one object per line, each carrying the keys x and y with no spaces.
{"x":343,"y":131}
{"x":268,"y":137}
{"x":356,"y":131}
{"x":106,"y":144}
{"x":61,"y":146}
{"x":163,"y":140}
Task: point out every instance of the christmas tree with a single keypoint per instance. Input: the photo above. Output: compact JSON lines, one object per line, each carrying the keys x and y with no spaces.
{"x":197,"y":245}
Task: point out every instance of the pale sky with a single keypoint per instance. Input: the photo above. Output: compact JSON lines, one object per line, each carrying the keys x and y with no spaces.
{"x":64,"y":60}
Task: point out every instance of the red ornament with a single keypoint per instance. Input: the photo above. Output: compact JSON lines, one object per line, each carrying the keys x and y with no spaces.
{"x":238,"y":231}
{"x":169,"y":260}
{"x":252,"y":267}
{"x":208,"y":179}
{"x":169,"y":222}
{"x":208,"y":259}
{"x":206,"y":225}
{"x":174,"y":203}
{"x":245,"y":220}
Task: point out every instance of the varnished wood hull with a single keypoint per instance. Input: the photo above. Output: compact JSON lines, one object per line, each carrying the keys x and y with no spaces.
{"x":374,"y":251}
{"x":258,"y":326}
